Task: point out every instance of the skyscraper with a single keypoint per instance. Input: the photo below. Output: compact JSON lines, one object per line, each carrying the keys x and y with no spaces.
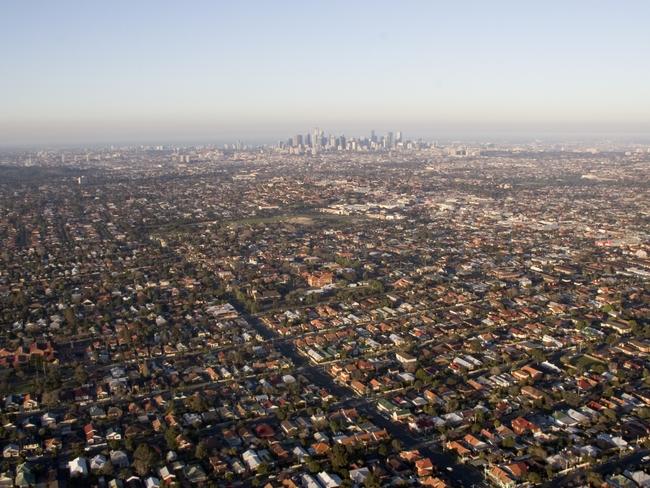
{"x":315,"y":141}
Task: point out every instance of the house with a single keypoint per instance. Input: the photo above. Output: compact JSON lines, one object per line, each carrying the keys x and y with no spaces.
{"x":97,"y":412}
{"x":475,"y":443}
{"x":532,"y":392}
{"x":6,"y":481}
{"x":319,"y":279}
{"x":78,"y":467}
{"x":328,"y":480}
{"x":251,"y":459}
{"x":219,"y":466}
{"x":29,"y":403}
{"x":183,"y":442}
{"x":461,"y":450}
{"x":320,"y":448}
{"x":517,"y":470}
{"x":98,"y":462}
{"x":359,"y":475}
{"x":11,"y":451}
{"x":358,"y":387}
{"x":405,"y":358}
{"x":151,"y":482}
{"x":288,"y":427}
{"x":119,"y":459}
{"x":48,"y":420}
{"x":433,"y":482}
{"x":92,"y":436}
{"x":300,"y":453}
{"x":308,"y":481}
{"x":166,"y":475}
{"x":133,"y":482}
{"x":52,"y":444}
{"x":116,"y":483}
{"x":424,"y":467}
{"x":25,"y":477}
{"x":113,"y":435}
{"x":499,"y":477}
{"x":521,"y":426}
{"x":195,"y":474}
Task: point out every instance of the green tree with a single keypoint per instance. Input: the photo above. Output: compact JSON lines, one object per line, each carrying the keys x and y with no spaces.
{"x":144,"y":458}
{"x":339,"y":457}
{"x":80,"y":375}
{"x":201,"y":451}
{"x":313,"y":466}
{"x":396,"y":444}
{"x":372,"y":481}
{"x":170,"y":438}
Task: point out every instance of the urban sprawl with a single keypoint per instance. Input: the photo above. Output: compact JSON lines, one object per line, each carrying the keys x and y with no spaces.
{"x":326,"y":312}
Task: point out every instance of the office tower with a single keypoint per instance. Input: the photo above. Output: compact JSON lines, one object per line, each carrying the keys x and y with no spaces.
{"x":315,"y":141}
{"x":373,"y":136}
{"x":398,"y":137}
{"x":389,"y":140}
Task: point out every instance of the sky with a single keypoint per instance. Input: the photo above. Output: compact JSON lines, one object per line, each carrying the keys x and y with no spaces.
{"x":81,"y":72}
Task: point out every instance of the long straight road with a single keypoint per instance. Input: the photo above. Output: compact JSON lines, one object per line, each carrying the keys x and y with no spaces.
{"x":460,"y":474}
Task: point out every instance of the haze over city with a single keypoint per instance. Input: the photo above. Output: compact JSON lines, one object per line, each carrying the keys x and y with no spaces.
{"x":324,"y":244}
{"x":76,"y":72}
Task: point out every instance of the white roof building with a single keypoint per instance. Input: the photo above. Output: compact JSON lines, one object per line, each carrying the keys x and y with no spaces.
{"x":78,"y":467}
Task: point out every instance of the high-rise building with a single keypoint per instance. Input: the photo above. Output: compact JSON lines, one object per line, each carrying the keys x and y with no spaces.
{"x":315,"y":141}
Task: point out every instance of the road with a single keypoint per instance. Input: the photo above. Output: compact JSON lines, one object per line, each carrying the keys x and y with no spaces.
{"x":620,"y":464}
{"x":461,"y":475}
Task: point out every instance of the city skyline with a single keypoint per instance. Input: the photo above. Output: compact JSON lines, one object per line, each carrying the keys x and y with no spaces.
{"x":325,"y":244}
{"x":78,"y":73}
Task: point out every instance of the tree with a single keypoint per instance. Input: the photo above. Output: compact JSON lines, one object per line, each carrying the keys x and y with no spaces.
{"x":534,"y":478}
{"x":339,"y":457}
{"x":594,"y":479}
{"x":197,"y":403}
{"x":313,"y":466}
{"x":422,"y":375}
{"x":80,"y":375}
{"x":170,"y":438}
{"x":508,"y":442}
{"x":50,"y":398}
{"x":549,"y":472}
{"x":396,"y":445}
{"x":108,"y":469}
{"x":372,"y":481}
{"x":201,"y":451}
{"x":144,"y":458}
{"x":382,"y":450}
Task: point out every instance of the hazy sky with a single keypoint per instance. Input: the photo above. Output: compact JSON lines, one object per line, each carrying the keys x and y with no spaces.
{"x":136,"y":70}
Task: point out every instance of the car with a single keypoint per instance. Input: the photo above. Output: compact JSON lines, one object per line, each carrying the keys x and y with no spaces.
{"x":449,"y":468}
